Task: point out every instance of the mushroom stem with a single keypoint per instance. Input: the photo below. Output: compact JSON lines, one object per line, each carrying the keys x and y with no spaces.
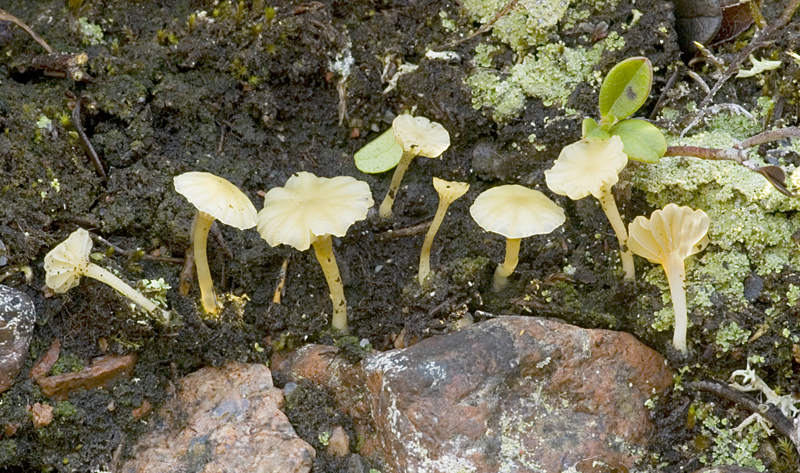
{"x":609,"y":206}
{"x":96,"y":272}
{"x":425,"y":257}
{"x":676,"y":276}
{"x":202,"y":224}
{"x":504,"y":270}
{"x":385,"y":210}
{"x":323,"y":248}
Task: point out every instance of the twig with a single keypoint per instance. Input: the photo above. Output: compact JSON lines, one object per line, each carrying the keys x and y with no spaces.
{"x":220,"y":239}
{"x":87,"y":145}
{"x":784,"y":425}
{"x":759,"y":37}
{"x":406,"y":232}
{"x":6,"y":16}
{"x":281,"y":287}
{"x":144,"y":256}
{"x":489,"y":24}
{"x":771,"y":135}
{"x":187,"y":272}
{"x":670,"y":83}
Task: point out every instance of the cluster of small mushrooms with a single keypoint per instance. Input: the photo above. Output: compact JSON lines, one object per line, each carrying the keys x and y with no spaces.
{"x":309,"y":210}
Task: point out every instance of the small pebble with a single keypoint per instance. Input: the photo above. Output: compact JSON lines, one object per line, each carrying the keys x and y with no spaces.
{"x":339,"y":443}
{"x":17,"y":318}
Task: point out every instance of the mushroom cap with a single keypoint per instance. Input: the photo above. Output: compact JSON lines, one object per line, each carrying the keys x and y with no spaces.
{"x":516,"y":212}
{"x":67,"y":262}
{"x":309,"y":206}
{"x":672,"y":231}
{"x":450,"y":190}
{"x":420,"y":136}
{"x":583,"y":167}
{"x":217,"y":197}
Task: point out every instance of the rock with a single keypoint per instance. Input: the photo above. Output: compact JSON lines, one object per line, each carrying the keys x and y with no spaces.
{"x":41,"y":415}
{"x":104,"y":372}
{"x":223,"y":419}
{"x":518,"y":394}
{"x":46,"y":361}
{"x":338,"y":443}
{"x":17,"y":317}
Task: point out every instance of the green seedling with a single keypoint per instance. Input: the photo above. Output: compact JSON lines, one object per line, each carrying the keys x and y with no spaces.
{"x":379,"y":155}
{"x":624,"y":91}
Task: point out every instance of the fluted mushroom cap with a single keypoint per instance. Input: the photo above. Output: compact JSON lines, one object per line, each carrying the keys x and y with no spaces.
{"x":676,"y":231}
{"x":309,"y":206}
{"x":583,"y":167}
{"x":516,"y":212}
{"x":217,"y":197}
{"x":420,"y":136}
{"x":450,"y":190}
{"x":67,"y":262}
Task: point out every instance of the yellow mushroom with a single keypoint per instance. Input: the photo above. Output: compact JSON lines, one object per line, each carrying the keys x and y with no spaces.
{"x":592,"y":167}
{"x":215,"y":199}
{"x":419,"y":137}
{"x":69,"y":260}
{"x":515,"y":212}
{"x":307,"y":211}
{"x":667,"y":238}
{"x":448,"y":193}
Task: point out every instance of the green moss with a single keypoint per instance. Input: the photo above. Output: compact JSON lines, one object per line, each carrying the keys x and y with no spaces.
{"x":91,"y":33}
{"x":64,"y":409}
{"x":67,"y":364}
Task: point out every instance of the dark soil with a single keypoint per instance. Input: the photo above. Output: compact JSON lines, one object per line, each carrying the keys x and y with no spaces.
{"x":250,"y":96}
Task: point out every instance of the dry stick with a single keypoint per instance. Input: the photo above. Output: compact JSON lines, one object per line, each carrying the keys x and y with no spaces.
{"x":782,"y":424}
{"x":406,"y":232}
{"x":754,"y":43}
{"x":187,"y":272}
{"x":87,"y":145}
{"x":670,"y":83}
{"x":281,"y":287}
{"x":145,"y":256}
{"x":489,"y":24}
{"x":6,"y":16}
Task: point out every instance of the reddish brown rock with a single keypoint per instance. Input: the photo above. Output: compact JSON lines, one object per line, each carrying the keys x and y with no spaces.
{"x":142,"y":411}
{"x":515,"y":394}
{"x":104,"y":372}
{"x":223,"y":420}
{"x":46,"y":361}
{"x":41,"y":415}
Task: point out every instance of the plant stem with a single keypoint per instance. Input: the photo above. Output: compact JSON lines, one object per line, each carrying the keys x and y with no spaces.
{"x":96,"y":272}
{"x":504,"y":270}
{"x":425,"y":256}
{"x":385,"y":210}
{"x":676,"y":276}
{"x":202,"y":225}
{"x":609,"y":206}
{"x":323,"y":248}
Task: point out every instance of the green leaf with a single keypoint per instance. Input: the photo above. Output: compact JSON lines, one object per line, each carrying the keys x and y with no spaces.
{"x":592,"y":131}
{"x":625,"y":89}
{"x":379,"y":155}
{"x":642,"y":141}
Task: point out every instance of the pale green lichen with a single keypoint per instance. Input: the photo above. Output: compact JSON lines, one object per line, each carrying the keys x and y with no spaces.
{"x":551,"y":74}
{"x":728,"y":448}
{"x":521,"y":27}
{"x":730,"y":336}
{"x":546,"y":70}
{"x":447,"y":23}
{"x":484,"y":54}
